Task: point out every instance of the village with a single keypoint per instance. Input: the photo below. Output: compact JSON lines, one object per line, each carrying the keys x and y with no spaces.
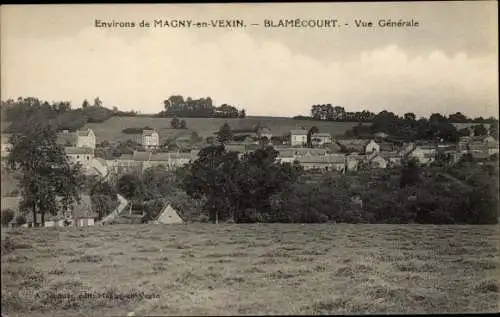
{"x":322,"y":153}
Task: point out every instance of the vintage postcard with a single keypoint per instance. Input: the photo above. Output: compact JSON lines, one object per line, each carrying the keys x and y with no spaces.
{"x":249,"y":158}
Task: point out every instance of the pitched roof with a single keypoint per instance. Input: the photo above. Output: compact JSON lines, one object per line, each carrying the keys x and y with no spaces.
{"x":167,"y":156}
{"x":168,"y":215}
{"x":141,"y":156}
{"x":309,"y":151}
{"x":299,"y":132}
{"x":83,"y":132}
{"x":148,"y":132}
{"x":322,"y":134}
{"x":125,"y":157}
{"x":235,"y":148}
{"x":66,"y":138}
{"x":78,"y":150}
{"x":80,"y":210}
{"x":286,"y":152}
{"x":329,"y":159}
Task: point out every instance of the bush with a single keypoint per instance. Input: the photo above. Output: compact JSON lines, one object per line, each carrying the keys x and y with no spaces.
{"x":20,"y":220}
{"x":7,"y":216}
{"x":203,"y":218}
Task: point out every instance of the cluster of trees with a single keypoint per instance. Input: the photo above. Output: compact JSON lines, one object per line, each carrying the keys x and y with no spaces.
{"x":409,"y":128}
{"x":337,"y":113}
{"x":177,"y":106}
{"x":48,"y":182}
{"x":237,"y":188}
{"x":330,"y":113}
{"x":59,"y":114}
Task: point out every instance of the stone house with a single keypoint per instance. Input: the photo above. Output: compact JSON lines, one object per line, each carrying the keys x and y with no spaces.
{"x":150,"y":139}
{"x":321,"y":139}
{"x":85,"y":139}
{"x":298,"y":137}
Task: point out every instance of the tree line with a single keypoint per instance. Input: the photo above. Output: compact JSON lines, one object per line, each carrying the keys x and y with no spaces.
{"x":177,"y":106}
{"x":327,"y":112}
{"x":59,"y":114}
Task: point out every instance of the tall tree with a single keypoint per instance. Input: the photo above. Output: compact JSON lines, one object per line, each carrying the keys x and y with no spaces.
{"x":311,"y":131}
{"x":85,"y":104}
{"x":49,"y":182}
{"x":225,"y":133}
{"x":175,"y":123}
{"x":97,"y":102}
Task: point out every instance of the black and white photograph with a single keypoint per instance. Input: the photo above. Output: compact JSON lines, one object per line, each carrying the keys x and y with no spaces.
{"x":207,"y":159}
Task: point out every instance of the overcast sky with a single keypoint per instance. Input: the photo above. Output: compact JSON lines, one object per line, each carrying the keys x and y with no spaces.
{"x":448,"y":64}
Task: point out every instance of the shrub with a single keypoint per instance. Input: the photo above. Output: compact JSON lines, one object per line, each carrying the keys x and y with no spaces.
{"x":7,"y":216}
{"x":20,"y":220}
{"x":203,"y":218}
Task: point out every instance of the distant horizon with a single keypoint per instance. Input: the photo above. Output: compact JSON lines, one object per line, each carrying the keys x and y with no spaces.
{"x":90,"y":100}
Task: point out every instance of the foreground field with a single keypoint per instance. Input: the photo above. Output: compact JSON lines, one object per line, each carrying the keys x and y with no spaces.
{"x":111,"y":129}
{"x":203,"y":269}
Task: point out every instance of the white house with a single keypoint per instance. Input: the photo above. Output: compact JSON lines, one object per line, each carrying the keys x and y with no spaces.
{"x":321,"y":139}
{"x":424,"y":154}
{"x":150,"y":139}
{"x":372,"y":147}
{"x":82,"y":155}
{"x":378,"y":161}
{"x":85,"y":139}
{"x":298,"y":137}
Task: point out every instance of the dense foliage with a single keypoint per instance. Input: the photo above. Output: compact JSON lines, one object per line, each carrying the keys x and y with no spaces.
{"x":58,"y":114}
{"x":177,"y":106}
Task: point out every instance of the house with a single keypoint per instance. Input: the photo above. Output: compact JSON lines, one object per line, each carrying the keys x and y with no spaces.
{"x":406,"y":149}
{"x":238,"y":148}
{"x":320,"y":139}
{"x":353,"y":161}
{"x":359,"y":145}
{"x":491,"y":144}
{"x":122,"y":164}
{"x":168,"y":215}
{"x":79,"y":214}
{"x":393,"y":158}
{"x":377,"y":161}
{"x":85,"y":138}
{"x":264,"y":132}
{"x":324,"y":163}
{"x":150,"y":139}
{"x":308,"y":152}
{"x":425,"y":154}
{"x":286,"y":156}
{"x":298,"y":137}
{"x":169,"y":160}
{"x":372,"y":147}
{"x":82,"y":155}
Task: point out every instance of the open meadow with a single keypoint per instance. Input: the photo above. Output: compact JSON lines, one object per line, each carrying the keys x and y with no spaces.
{"x":206,"y":269}
{"x":111,"y":129}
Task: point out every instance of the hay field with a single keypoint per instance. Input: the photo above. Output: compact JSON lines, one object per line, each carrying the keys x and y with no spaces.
{"x":205,"y":269}
{"x":111,"y":129}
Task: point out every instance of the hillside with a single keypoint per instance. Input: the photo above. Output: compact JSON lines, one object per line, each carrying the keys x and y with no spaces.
{"x":111,"y":129}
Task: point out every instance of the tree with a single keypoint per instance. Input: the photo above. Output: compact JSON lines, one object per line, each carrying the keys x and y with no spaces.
{"x":85,"y":104}
{"x":242,"y":114}
{"x":183,"y":124}
{"x":49,"y":182}
{"x":480,"y":130}
{"x":410,"y":116}
{"x":311,"y":131}
{"x":225,"y":134}
{"x":130,"y":186}
{"x":494,"y":130}
{"x":175,"y":123}
{"x":97,"y":102}
{"x":20,"y":220}
{"x":104,"y":198}
{"x":410,"y":174}
{"x":7,"y":216}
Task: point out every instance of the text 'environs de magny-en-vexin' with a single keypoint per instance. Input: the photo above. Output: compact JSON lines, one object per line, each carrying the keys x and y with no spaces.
{"x":267,"y":23}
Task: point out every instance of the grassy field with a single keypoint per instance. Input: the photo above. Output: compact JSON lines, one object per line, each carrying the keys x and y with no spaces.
{"x":203,"y":269}
{"x":111,"y":129}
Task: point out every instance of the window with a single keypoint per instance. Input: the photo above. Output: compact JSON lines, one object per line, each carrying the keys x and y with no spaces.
{"x":78,"y":156}
{"x":88,"y":157}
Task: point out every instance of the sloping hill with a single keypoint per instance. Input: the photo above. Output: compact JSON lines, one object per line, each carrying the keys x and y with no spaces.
{"x":111,"y":129}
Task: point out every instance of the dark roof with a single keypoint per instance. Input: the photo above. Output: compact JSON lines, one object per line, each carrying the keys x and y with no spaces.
{"x":66,"y":138}
{"x":322,"y":159}
{"x":148,"y":132}
{"x":299,"y":132}
{"x":78,"y":150}
{"x":141,"y":156}
{"x":83,"y":132}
